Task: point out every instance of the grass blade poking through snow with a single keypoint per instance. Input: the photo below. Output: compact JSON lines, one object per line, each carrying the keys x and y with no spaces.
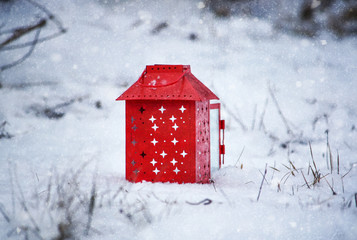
{"x":261,"y":185}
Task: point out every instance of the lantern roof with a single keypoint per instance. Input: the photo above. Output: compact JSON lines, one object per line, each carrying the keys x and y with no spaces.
{"x":167,"y":82}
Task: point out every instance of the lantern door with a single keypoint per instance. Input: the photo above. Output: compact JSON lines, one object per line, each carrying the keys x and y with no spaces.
{"x":217,"y":127}
{"x":160,"y":141}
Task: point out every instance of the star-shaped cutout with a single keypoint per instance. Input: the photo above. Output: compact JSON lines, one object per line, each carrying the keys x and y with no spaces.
{"x":183,"y":153}
{"x":162,"y":109}
{"x":133,"y":162}
{"x":136,"y":171}
{"x":132,"y":119}
{"x":134,"y":127}
{"x":174,"y":141}
{"x":153,"y":162}
{"x":182,"y":109}
{"x":163,"y":154}
{"x":173,"y":162}
{"x":156,"y":171}
{"x":134,"y":142}
{"x":175,"y":127}
{"x":176,"y":170}
{"x":152,"y":119}
{"x":155,"y":127}
{"x":172,"y":118}
{"x":143,"y":154}
{"x":154,"y":141}
{"x":141,"y":110}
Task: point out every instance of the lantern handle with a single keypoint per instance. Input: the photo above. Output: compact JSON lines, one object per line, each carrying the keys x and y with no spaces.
{"x":141,"y":81}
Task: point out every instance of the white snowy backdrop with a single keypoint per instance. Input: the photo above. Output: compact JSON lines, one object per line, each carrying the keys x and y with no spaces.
{"x":62,"y":133}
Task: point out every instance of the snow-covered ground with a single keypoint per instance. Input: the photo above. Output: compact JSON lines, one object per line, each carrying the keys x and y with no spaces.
{"x":279,"y":92}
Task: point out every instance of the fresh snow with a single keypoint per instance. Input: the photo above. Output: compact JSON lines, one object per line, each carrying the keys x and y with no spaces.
{"x":254,"y":69}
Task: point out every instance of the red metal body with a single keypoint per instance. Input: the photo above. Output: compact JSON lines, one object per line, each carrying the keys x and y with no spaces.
{"x":167,"y":126}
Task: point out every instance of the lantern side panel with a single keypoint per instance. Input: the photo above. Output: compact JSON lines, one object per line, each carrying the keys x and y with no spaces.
{"x":202,"y":142}
{"x":160,"y":141}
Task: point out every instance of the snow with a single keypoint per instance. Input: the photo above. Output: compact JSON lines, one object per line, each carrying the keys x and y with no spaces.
{"x":246,"y":62}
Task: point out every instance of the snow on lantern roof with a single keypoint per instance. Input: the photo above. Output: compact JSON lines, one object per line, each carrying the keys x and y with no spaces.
{"x":167,"y":82}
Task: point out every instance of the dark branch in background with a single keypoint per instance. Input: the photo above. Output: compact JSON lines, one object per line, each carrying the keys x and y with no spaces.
{"x":19,"y":32}
{"x":24,"y":57}
{"x":30,"y":43}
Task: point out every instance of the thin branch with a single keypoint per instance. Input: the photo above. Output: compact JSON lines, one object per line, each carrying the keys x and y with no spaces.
{"x":261,"y":185}
{"x":305,"y":179}
{"x":91,"y":206}
{"x":333,"y":191}
{"x":289,"y":131}
{"x":23,"y":202}
{"x":238,"y":120}
{"x":19,"y":32}
{"x":2,"y":211}
{"x":338,"y":163}
{"x":330,"y":155}
{"x":254,"y":117}
{"x":347,"y":172}
{"x":261,"y":123}
{"x":30,"y":43}
{"x":240,"y":155}
{"x":205,"y":201}
{"x":264,"y":177}
{"x":23,"y":58}
{"x":49,"y":14}
{"x":312,"y":157}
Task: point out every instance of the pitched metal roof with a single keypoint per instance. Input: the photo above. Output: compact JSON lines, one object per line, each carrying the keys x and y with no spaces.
{"x":167,"y":82}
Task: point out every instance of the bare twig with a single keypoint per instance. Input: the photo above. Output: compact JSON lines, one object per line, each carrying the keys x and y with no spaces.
{"x":263,"y":177}
{"x":338,"y":163}
{"x":305,"y":179}
{"x":347,"y":172}
{"x":330,"y":156}
{"x":275,"y":169}
{"x":333,"y":191}
{"x":23,"y":58}
{"x":19,"y":32}
{"x":206,"y":201}
{"x":49,"y":14}
{"x":49,"y":186}
{"x":12,"y":189}
{"x":261,"y":185}
{"x":261,"y":123}
{"x":234,"y":116}
{"x":3,"y":212}
{"x":213,"y":184}
{"x":23,"y":202}
{"x":343,"y":185}
{"x":240,"y":155}
{"x":91,"y":205}
{"x":327,"y":144}
{"x":254,"y":117}
{"x":312,"y":157}
{"x":30,"y":43}
{"x":289,"y":131}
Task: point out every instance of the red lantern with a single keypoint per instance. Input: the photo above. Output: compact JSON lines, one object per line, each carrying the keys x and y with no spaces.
{"x":169,"y":119}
